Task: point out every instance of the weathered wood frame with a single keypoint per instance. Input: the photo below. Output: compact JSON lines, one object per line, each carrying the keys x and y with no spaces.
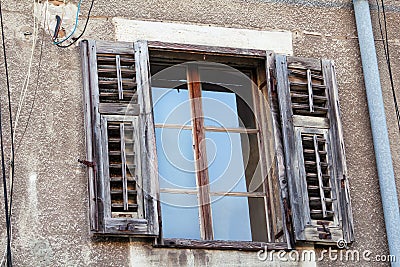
{"x":261,"y":99}
{"x":281,"y":171}
{"x":96,"y":116}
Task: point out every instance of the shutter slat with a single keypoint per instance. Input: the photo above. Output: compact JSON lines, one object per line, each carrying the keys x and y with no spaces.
{"x":316,"y":98}
{"x":109,"y":59}
{"x":116,"y":82}
{"x":119,"y":178}
{"x":109,"y":72}
{"x":118,"y":191}
{"x":118,"y":206}
{"x":304,"y":63}
{"x":117,"y":153}
{"x":305,"y":85}
{"x":304,"y":74}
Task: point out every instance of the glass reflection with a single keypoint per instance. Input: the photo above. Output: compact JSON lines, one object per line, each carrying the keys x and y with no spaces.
{"x":231,"y":219}
{"x":227,"y":98}
{"x":171,"y":106}
{"x":176,"y":167}
{"x":233,"y":162}
{"x":239,"y":219}
{"x":180,"y":216}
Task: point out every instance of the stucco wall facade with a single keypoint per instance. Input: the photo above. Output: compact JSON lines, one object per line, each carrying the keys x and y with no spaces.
{"x":50,"y":212}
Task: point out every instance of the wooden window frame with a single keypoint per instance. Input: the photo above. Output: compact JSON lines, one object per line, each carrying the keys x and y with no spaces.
{"x":261,"y":98}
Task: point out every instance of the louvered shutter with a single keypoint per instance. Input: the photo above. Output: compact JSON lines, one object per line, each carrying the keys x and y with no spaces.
{"x":314,"y":150}
{"x":120,"y":138}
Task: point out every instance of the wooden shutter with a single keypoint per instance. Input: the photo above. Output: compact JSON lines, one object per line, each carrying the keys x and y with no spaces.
{"x":120,"y":138}
{"x":314,"y":150}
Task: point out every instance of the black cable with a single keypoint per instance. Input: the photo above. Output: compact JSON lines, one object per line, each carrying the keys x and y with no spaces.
{"x":84,"y":29}
{"x":58,"y":26}
{"x":387,"y":56}
{"x":380,"y":28}
{"x":8,"y":223}
{"x":35,"y":91}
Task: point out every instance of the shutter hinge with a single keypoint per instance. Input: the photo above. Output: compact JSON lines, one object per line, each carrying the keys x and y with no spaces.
{"x":87,"y":163}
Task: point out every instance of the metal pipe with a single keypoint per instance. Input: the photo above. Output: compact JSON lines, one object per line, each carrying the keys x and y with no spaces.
{"x":380,"y":135}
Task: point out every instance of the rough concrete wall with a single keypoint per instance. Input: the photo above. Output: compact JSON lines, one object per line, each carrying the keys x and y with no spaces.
{"x":50,"y":198}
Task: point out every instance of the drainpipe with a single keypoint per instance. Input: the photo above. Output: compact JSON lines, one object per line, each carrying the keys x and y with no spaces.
{"x":380,"y":135}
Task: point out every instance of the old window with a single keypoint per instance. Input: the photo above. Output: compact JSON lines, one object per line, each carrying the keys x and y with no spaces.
{"x":208,"y":135}
{"x":213,"y":147}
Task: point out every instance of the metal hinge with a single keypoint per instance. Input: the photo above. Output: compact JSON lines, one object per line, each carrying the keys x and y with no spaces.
{"x":87,"y":163}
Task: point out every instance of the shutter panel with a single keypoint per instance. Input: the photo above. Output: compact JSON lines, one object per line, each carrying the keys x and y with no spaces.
{"x":314,"y":150}
{"x":119,"y":190}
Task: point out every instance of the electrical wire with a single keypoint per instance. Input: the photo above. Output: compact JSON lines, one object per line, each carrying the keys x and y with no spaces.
{"x":28,"y":75}
{"x":7,"y":214}
{"x":34,"y":93}
{"x":75,"y":27}
{"x":22,"y":97}
{"x":20,"y":105}
{"x":84,"y":29}
{"x":47,"y":20}
{"x":387,"y":56}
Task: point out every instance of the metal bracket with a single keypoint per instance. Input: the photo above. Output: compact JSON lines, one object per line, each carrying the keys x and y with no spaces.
{"x":87,"y":163}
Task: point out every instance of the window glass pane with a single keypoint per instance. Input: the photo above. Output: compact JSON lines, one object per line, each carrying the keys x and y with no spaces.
{"x":233,"y":162}
{"x":170,"y":95}
{"x":171,"y":106}
{"x":176,"y":166}
{"x":239,"y":219}
{"x":220,"y":109}
{"x":227,"y":97}
{"x":180,"y":216}
{"x":231,"y":220}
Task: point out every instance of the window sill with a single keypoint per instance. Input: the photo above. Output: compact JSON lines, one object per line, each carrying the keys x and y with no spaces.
{"x":222,"y":245}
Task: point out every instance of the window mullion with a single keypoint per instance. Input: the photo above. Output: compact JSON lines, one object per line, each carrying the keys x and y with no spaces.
{"x":194,"y":86}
